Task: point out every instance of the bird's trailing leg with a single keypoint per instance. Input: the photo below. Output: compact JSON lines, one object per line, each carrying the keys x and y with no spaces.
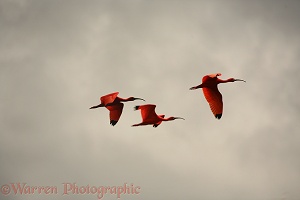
{"x":196,"y":87}
{"x":140,"y":124}
{"x":97,"y":106}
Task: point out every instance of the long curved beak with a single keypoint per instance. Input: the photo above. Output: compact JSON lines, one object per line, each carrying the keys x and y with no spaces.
{"x":239,"y":80}
{"x":139,"y":99}
{"x":179,"y":118}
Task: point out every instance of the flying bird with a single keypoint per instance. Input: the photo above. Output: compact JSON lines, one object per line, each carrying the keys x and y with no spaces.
{"x":114,"y":104}
{"x":211,"y":93}
{"x":150,"y":117}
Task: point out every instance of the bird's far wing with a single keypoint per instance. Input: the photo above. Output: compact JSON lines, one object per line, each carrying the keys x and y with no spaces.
{"x":210,"y":76}
{"x":214,"y":99}
{"x":147,"y":111}
{"x":109,"y":98}
{"x":115,"y":112}
{"x":158,"y":123}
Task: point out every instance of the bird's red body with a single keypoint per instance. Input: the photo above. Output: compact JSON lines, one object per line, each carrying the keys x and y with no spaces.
{"x":211,"y":93}
{"x":114,"y":104}
{"x":150,"y":117}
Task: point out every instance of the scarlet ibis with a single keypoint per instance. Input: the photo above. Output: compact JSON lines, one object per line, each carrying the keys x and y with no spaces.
{"x":150,"y":117}
{"x":210,"y":90}
{"x":113,"y":103}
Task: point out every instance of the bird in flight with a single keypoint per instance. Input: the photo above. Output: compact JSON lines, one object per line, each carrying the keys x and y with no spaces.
{"x":211,"y":93}
{"x":114,"y":104}
{"x":149,"y":116}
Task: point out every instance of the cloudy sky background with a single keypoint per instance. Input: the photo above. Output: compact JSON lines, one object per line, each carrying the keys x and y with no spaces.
{"x":58,"y":57}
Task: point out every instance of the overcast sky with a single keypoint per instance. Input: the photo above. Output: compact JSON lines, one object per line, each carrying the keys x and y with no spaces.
{"x":58,"y":57}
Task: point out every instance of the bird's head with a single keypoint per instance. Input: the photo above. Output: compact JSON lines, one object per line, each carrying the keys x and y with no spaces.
{"x":173,"y":118}
{"x":135,"y":98}
{"x":234,"y":79}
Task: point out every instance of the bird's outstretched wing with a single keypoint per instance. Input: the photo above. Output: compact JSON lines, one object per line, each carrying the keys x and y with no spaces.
{"x":147,"y":111}
{"x":115,"y":112}
{"x":214,"y":99}
{"x":109,"y":98}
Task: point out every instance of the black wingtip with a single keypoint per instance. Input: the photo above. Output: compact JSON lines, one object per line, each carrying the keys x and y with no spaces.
{"x":218,"y":116}
{"x":136,"y":107}
{"x":113,"y":122}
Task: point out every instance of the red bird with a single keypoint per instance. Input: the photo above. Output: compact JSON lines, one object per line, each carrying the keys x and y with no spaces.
{"x":150,"y":117}
{"x":210,"y":90}
{"x":113,"y":103}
